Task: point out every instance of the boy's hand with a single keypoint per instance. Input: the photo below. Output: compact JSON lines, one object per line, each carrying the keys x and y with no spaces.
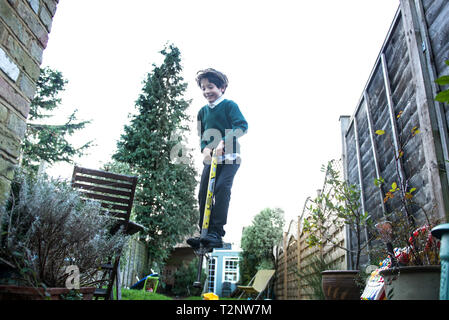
{"x":207,"y":155}
{"x":220,"y":148}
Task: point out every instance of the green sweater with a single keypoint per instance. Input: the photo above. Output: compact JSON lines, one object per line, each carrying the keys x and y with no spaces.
{"x":223,"y":122}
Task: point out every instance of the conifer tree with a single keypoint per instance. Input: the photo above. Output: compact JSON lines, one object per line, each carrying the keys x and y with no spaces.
{"x":164,"y":203}
{"x":48,"y":142}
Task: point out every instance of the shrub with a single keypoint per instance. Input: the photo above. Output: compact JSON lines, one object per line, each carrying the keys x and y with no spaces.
{"x":46,"y":227}
{"x":184,"y":278}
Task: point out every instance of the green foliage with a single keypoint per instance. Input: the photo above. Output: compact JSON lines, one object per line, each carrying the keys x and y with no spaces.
{"x":46,"y":227}
{"x":152,"y":148}
{"x":45,"y":141}
{"x":184,"y":278}
{"x":258,"y":240}
{"x":338,"y":204}
{"x":310,"y":277}
{"x":130,"y":294}
{"x":443,"y":96}
{"x":406,"y":230}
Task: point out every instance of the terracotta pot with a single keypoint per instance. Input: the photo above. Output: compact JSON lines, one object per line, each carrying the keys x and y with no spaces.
{"x":12,"y":292}
{"x":412,"y":283}
{"x":340,"y":285}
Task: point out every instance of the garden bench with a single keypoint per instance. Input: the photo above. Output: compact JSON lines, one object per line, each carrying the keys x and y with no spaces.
{"x":115,"y":192}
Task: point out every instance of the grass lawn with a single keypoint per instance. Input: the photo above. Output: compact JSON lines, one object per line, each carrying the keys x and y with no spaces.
{"x":128,"y":294}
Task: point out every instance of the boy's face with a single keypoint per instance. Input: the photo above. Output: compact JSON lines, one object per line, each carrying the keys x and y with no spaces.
{"x":210,"y":91}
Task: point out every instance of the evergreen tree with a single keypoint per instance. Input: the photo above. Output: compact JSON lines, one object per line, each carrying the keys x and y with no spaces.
{"x":258,"y":241}
{"x":48,"y":142}
{"x":164,"y":202}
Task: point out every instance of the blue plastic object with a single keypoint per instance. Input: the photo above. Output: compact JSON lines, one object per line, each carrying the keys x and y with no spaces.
{"x":139,"y":285}
{"x":442,"y":232}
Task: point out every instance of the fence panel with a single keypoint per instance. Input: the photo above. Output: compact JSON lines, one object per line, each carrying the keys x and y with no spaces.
{"x":401,"y":84}
{"x":295,"y":259}
{"x":398,"y":97}
{"x":134,"y":262}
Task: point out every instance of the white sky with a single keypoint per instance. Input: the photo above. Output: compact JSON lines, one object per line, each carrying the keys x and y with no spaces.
{"x":293,"y":66}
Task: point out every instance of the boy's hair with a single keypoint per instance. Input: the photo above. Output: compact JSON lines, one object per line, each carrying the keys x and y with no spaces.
{"x":216,"y":77}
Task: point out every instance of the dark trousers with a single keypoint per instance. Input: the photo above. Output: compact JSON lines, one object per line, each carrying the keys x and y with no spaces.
{"x":222,"y":195}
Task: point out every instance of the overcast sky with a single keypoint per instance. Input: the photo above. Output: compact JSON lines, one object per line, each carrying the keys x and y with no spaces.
{"x":294,"y":68}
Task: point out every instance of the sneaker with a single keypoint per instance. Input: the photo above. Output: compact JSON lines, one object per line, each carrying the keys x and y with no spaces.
{"x":212,"y":240}
{"x":194,"y":242}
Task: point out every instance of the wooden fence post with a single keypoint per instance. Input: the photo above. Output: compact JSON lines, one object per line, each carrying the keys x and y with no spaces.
{"x":298,"y":254}
{"x":428,"y":119}
{"x":285,"y":264}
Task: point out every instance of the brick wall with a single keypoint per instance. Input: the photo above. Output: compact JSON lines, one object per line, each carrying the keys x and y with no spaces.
{"x":24,"y":30}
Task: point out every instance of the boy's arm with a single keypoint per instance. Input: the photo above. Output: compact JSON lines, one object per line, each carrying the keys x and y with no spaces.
{"x":200,"y":130}
{"x":238,"y":121}
{"x":207,"y":152}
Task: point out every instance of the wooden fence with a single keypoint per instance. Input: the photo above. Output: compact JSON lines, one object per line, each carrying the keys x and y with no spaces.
{"x":134,"y":262}
{"x":401,"y":83}
{"x":399,"y":96}
{"x":295,"y":258}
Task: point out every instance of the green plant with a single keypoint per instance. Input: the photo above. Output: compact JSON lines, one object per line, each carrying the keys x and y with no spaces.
{"x":258,"y":241}
{"x":400,"y":228}
{"x":165,"y":202}
{"x":184,"y":276}
{"x":337,"y":205}
{"x":44,"y":141}
{"x":73,"y":295}
{"x":310,"y":277}
{"x":130,"y":294}
{"x":47,"y":227}
{"x":443,"y":96}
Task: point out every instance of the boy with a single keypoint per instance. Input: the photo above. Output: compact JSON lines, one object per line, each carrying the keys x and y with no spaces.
{"x":220,"y":123}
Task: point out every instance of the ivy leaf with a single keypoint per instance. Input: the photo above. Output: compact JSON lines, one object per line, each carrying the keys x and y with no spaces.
{"x":443,"y":96}
{"x":443,"y":80}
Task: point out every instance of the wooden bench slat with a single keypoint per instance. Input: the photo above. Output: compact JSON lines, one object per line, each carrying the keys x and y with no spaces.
{"x":101,"y":189}
{"x":100,"y":182}
{"x":106,"y":174}
{"x":117,"y":214}
{"x":113,"y":200}
{"x":115,"y":207}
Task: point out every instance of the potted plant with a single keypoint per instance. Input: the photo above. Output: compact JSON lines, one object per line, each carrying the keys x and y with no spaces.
{"x":412,"y":268}
{"x":48,"y":235}
{"x":336,"y":206}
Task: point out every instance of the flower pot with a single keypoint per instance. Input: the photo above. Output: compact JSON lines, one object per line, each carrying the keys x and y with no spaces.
{"x":12,"y":292}
{"x":340,"y":285}
{"x":412,"y":283}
